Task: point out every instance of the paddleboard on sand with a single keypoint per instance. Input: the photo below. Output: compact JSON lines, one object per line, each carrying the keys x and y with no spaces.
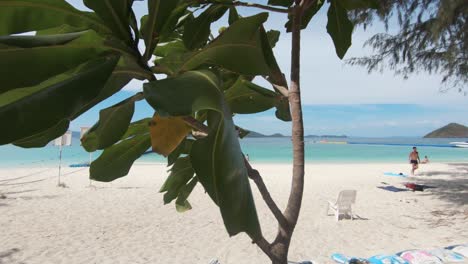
{"x":395,"y":174}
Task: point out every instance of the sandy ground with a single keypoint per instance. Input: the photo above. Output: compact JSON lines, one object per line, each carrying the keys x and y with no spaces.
{"x":126,"y":221}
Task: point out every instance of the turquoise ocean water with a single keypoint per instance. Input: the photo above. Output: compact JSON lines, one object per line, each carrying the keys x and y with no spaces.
{"x":270,"y":150}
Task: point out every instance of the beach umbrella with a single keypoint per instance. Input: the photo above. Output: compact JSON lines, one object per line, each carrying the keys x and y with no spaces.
{"x":64,"y":140}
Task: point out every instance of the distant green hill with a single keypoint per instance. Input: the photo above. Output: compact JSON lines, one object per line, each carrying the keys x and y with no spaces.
{"x":452,"y":130}
{"x":254,"y":134}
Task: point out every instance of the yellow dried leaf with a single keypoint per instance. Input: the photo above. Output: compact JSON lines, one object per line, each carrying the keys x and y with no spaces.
{"x":167,"y":133}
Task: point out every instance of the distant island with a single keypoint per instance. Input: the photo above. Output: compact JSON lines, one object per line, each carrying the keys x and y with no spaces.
{"x":326,"y":136}
{"x":452,"y":130}
{"x":253,"y":134}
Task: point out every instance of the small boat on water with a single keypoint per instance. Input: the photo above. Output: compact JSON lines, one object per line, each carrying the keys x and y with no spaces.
{"x":460,"y":144}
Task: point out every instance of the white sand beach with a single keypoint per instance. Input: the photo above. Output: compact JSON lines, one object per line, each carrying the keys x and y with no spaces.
{"x":126,"y":221}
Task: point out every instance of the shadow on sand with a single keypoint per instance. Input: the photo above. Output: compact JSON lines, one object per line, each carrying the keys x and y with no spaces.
{"x":455,"y":190}
{"x":8,"y":256}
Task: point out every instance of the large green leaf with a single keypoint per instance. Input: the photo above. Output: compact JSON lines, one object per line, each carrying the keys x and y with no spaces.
{"x":183,"y":148}
{"x":116,"y":161}
{"x":339,"y":27}
{"x":38,"y":41}
{"x":31,"y":110}
{"x":17,"y":62}
{"x":275,"y":76}
{"x":197,"y":31}
{"x":217,"y":159}
{"x":219,"y":164}
{"x":112,"y":125}
{"x":182,"y":204}
{"x":62,"y":29}
{"x":139,"y":127}
{"x":233,"y":15}
{"x":39,"y":63}
{"x":17,"y":16}
{"x":162,"y":18}
{"x":178,"y":102}
{"x":245,"y":97}
{"x":273,"y":37}
{"x":228,"y":78}
{"x":126,"y":70}
{"x":116,"y":14}
{"x":43,"y":138}
{"x":238,"y":49}
{"x":119,"y":78}
{"x":170,"y":57}
{"x":181,"y":173}
{"x":306,"y":16}
{"x":169,"y":48}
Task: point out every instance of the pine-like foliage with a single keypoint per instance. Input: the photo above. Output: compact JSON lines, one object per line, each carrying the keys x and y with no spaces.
{"x":432,"y":37}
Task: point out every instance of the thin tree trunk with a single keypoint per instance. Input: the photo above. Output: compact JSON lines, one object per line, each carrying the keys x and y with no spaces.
{"x":295,"y":199}
{"x":280,"y":246}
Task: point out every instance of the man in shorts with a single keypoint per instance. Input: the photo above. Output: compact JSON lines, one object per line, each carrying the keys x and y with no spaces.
{"x":414,"y":159}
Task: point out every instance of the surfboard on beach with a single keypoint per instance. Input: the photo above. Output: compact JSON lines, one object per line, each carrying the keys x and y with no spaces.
{"x":395,"y":174}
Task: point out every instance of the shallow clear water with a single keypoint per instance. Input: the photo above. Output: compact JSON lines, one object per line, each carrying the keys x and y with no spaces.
{"x":271,"y":150}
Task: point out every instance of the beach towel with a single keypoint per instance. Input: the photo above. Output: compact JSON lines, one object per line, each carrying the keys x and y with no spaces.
{"x":392,"y":188}
{"x":395,"y":174}
{"x":387,"y":259}
{"x":420,"y":257}
{"x":414,"y":186}
{"x":447,"y":255}
{"x":343,"y":259}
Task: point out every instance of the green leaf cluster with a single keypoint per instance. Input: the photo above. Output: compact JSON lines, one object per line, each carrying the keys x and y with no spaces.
{"x":76,"y":59}
{"x":216,"y":159}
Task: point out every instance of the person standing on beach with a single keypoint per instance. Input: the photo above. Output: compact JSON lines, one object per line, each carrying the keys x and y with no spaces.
{"x":414,"y":159}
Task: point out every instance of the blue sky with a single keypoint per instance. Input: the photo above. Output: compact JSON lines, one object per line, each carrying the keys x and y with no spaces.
{"x":338,"y":99}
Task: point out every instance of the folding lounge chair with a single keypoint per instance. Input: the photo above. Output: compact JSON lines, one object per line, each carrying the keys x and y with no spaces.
{"x":342,"y":206}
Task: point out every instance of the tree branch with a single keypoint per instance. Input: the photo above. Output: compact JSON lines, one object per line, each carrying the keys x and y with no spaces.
{"x":251,"y":172}
{"x":255,"y":176}
{"x":264,"y":246}
{"x":239,"y":3}
{"x":197,"y":125}
{"x":281,"y":89}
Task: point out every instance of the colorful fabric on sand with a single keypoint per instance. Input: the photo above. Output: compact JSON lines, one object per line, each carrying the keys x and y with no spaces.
{"x":343,"y":259}
{"x":447,"y":255}
{"x":419,"y":257}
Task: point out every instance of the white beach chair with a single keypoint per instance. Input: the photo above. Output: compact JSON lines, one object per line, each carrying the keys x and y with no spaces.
{"x":342,"y":206}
